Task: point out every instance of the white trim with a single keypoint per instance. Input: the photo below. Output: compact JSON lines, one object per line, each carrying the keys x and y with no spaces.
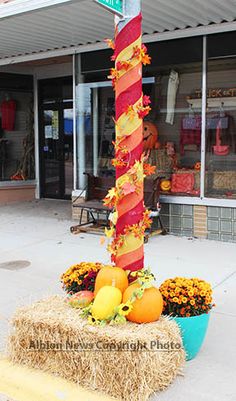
{"x":188,"y":200}
{"x":74,"y":127}
{"x":204,"y":110}
{"x":190,"y":32}
{"x":78,"y":193}
{"x":36,"y":138}
{"x":25,"y":6}
{"x":148,"y":38}
{"x":13,"y":184}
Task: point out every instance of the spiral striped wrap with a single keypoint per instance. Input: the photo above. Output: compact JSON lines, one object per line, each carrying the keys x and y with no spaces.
{"x":128,"y":90}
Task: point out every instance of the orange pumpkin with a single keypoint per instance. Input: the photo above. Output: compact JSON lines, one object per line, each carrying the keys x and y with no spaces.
{"x":148,"y":308}
{"x":165,"y":185}
{"x":150,"y":135}
{"x":113,"y":276}
{"x":197,"y":166}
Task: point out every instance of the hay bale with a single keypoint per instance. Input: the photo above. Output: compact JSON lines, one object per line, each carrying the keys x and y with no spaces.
{"x":129,"y":362}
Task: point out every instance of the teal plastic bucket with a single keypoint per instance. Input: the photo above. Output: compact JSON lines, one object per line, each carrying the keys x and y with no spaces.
{"x":193,"y":330}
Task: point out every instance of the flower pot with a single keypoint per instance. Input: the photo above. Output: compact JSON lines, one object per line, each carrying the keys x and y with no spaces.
{"x":193,"y":330}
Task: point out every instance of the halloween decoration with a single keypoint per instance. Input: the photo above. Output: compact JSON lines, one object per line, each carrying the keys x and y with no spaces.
{"x":165,"y":185}
{"x":150,"y":136}
{"x":197,"y":166}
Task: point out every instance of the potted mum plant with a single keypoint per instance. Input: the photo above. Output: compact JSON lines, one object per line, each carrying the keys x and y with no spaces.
{"x":188,"y":301}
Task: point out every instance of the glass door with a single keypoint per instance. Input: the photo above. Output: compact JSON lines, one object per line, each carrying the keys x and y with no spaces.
{"x":56,"y":150}
{"x":52,"y":177}
{"x":68,"y":150}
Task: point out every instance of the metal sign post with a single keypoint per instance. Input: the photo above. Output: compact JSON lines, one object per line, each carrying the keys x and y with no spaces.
{"x":115,"y":6}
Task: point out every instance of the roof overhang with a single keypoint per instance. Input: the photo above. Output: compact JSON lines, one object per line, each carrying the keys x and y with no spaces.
{"x":36,"y":29}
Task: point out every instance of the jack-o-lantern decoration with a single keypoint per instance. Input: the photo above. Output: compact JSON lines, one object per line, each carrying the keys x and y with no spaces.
{"x":150,"y":135}
{"x":197,"y":166}
{"x":165,"y":185}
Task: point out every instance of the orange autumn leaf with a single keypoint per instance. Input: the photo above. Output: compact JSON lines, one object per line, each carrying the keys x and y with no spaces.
{"x":149,"y":169}
{"x":110,"y":43}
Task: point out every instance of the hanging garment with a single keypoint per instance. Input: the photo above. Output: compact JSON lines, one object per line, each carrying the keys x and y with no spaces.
{"x":190,"y":133}
{"x":173,"y":85}
{"x":8,"y":110}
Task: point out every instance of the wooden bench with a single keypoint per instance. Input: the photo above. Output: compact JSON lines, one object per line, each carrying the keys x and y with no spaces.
{"x":94,"y":215}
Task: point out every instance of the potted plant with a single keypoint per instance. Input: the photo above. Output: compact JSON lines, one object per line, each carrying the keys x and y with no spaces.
{"x":188,"y":301}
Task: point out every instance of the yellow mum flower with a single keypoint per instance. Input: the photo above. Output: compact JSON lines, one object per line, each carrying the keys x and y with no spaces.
{"x":184,"y":300}
{"x":192,"y":302}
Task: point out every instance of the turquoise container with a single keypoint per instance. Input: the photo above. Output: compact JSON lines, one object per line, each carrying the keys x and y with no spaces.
{"x":193,"y":330}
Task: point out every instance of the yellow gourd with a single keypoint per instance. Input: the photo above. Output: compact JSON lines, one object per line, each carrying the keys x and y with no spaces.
{"x":106,"y":300}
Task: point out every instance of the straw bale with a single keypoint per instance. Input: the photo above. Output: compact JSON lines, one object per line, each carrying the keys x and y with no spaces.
{"x":120,"y":361}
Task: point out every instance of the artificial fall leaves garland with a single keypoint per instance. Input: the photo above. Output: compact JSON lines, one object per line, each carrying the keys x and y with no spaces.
{"x":132,"y":180}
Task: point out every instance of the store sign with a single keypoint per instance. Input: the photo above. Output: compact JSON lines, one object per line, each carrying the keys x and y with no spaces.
{"x":216,"y":93}
{"x":115,"y":6}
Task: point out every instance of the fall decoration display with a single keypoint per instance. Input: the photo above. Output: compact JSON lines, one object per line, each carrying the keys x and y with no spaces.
{"x":111,"y":275}
{"x":110,"y":312}
{"x":106,"y":300}
{"x":80,"y":299}
{"x":80,"y":277}
{"x":165,"y":185}
{"x":147,"y":308}
{"x":185,"y":297}
{"x":125,"y":362}
{"x":132,"y":106}
{"x":150,"y":135}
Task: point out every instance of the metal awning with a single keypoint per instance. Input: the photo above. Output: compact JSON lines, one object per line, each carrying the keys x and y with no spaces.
{"x":31,"y":29}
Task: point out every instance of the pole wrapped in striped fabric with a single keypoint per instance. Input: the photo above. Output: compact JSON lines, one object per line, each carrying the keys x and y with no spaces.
{"x":131,"y":219}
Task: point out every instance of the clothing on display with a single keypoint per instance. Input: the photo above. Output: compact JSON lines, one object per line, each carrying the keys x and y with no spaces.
{"x":173,"y":85}
{"x":190,"y":132}
{"x":8,"y":111}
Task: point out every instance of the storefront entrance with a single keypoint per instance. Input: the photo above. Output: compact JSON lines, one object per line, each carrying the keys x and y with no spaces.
{"x":56,"y":138}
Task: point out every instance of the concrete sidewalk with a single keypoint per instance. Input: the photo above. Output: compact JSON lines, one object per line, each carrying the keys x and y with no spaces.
{"x":38,"y":233}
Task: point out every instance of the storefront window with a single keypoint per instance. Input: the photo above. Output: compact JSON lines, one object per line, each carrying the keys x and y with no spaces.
{"x":221,"y":119}
{"x":96,"y":128}
{"x":16,"y":130}
{"x":177,"y":120}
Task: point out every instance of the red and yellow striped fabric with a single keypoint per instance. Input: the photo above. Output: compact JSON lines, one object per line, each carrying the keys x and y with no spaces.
{"x":128,"y":89}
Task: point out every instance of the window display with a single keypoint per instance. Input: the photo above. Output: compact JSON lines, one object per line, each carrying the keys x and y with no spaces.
{"x":176,"y":151}
{"x":172,"y":131}
{"x":16,"y":135}
{"x":221,"y":129}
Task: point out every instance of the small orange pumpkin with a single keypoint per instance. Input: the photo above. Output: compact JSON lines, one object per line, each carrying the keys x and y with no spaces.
{"x":111,"y":276}
{"x":148,"y":308}
{"x":165,"y":185}
{"x":150,"y":135}
{"x":197,"y":166}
